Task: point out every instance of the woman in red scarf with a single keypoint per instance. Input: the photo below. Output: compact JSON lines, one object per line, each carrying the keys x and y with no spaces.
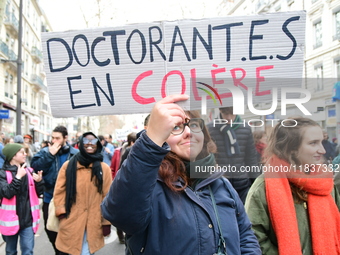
{"x":294,"y":209}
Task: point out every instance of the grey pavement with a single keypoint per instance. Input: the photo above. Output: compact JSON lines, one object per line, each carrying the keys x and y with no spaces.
{"x":43,"y":246}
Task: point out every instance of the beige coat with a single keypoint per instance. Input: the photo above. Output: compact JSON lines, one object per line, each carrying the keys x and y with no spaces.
{"x":85,"y":213}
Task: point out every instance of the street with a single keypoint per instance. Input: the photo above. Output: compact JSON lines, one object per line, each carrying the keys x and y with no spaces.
{"x":43,"y":246}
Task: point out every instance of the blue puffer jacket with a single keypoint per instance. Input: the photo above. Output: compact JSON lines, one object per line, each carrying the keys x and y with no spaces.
{"x":44,"y":160}
{"x":160,"y":221}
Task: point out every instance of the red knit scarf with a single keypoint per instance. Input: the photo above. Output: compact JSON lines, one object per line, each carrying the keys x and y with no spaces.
{"x":324,"y":215}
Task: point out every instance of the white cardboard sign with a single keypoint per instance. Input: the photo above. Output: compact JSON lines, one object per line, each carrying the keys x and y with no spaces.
{"x":125,"y":70}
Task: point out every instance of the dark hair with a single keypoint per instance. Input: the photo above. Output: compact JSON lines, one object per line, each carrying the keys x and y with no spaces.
{"x":62,"y":130}
{"x":172,"y":166}
{"x":101,"y":137}
{"x":131,"y":138}
{"x":146,"y":120}
{"x":227,"y":110}
{"x":46,"y":142}
{"x":6,"y":141}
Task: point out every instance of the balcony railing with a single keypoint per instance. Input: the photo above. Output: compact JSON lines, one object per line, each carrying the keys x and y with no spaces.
{"x":10,"y":54}
{"x":261,"y":4}
{"x":36,"y":54}
{"x":11,"y":22}
{"x":36,"y":80}
{"x":336,"y":36}
{"x":11,"y":57}
{"x":44,"y":107}
{"x":4,"y":48}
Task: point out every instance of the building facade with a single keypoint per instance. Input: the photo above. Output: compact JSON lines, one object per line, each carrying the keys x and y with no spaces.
{"x":322,"y":50}
{"x":36,"y":117}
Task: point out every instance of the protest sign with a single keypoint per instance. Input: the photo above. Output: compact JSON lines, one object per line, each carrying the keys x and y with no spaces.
{"x":121,"y":134}
{"x":124,"y":70}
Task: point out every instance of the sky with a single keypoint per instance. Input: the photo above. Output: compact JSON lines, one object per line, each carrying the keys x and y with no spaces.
{"x":72,"y":14}
{"x":62,"y":18}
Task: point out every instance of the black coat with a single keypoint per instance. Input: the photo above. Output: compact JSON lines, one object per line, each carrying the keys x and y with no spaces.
{"x":241,"y":181}
{"x":19,"y":188}
{"x":329,"y":148}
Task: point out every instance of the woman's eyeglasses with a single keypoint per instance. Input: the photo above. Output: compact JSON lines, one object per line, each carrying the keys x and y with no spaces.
{"x":87,"y":141}
{"x":196,"y":125}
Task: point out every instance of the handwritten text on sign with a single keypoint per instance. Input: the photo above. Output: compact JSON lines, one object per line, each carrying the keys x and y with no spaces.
{"x":124,"y":70}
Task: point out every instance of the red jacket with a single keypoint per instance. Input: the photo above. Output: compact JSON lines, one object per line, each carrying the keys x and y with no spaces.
{"x":115,"y":161}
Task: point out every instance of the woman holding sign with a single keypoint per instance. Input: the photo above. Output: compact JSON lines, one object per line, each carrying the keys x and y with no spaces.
{"x":294,"y":209}
{"x":164,"y":211}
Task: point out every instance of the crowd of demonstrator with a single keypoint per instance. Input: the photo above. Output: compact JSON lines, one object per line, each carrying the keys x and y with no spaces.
{"x":149,"y":188}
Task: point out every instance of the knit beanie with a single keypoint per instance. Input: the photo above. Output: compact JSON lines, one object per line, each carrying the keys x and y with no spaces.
{"x":18,"y":139}
{"x":10,"y":150}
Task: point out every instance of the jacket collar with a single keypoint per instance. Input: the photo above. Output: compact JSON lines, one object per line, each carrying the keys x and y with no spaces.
{"x":8,"y":167}
{"x":201,"y":184}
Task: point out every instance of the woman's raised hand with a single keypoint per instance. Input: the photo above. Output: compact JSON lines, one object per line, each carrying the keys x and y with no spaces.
{"x":21,"y":171}
{"x":165,"y":115}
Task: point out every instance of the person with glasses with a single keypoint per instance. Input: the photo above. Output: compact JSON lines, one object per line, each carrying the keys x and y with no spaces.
{"x":162,"y":206}
{"x":50,"y":159}
{"x":82,"y":184}
{"x":20,"y":189}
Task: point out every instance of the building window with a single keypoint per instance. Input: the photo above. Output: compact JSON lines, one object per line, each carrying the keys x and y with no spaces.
{"x":33,"y":100}
{"x":28,"y":9}
{"x":48,"y":124}
{"x":42,"y":121}
{"x":9,"y":85}
{"x":34,"y":20}
{"x":25,"y":95}
{"x":6,"y":84}
{"x":27,"y":38}
{"x":318,"y":34}
{"x":8,"y":6}
{"x":337,"y":26}
{"x":331,"y":112}
{"x":319,"y":78}
{"x":41,"y":101}
{"x":8,"y":39}
{"x":337,"y":64}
